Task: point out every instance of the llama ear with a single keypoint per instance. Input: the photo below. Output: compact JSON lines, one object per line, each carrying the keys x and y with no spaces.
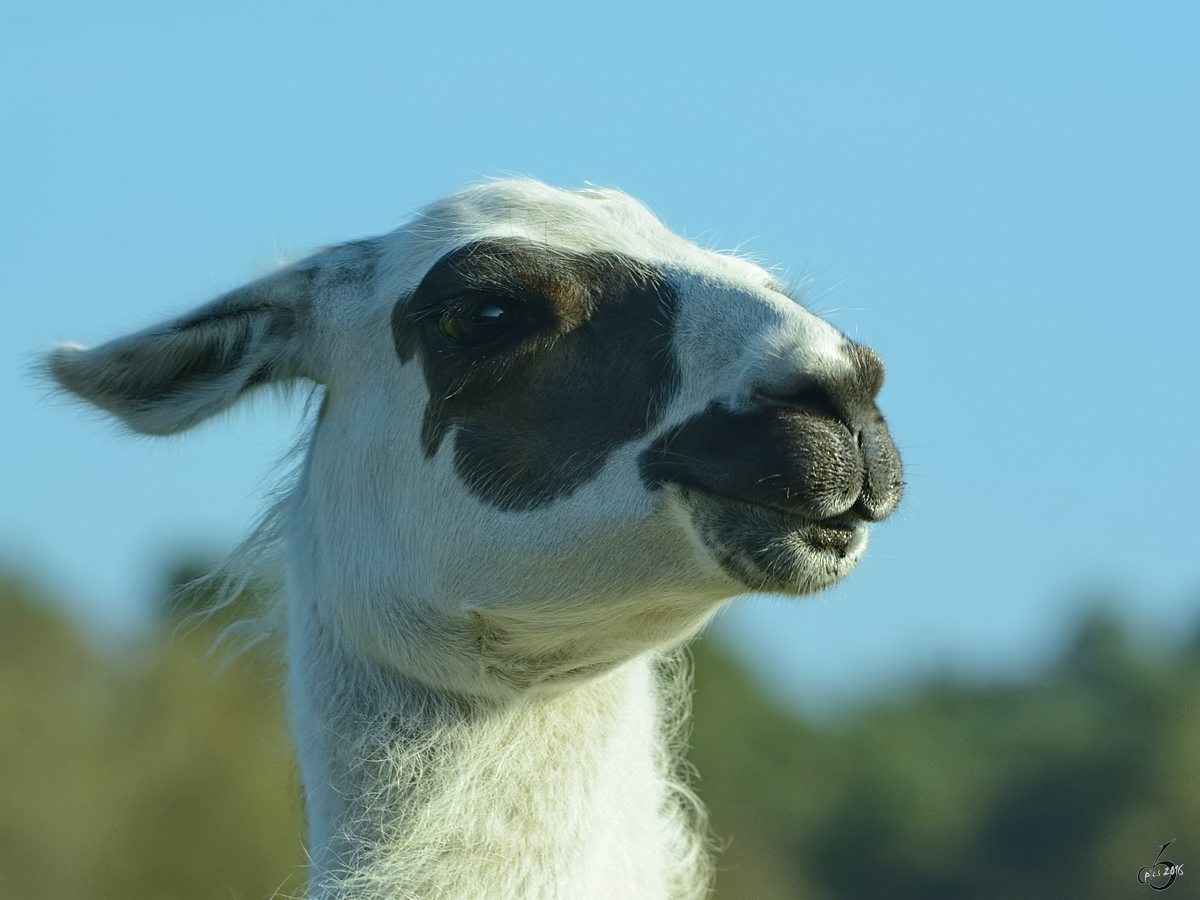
{"x":169,"y":377}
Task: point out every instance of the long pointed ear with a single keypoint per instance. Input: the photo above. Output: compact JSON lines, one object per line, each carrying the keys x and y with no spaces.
{"x":169,"y":377}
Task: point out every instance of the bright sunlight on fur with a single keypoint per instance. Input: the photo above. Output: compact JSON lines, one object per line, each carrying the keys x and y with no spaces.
{"x":553,"y":439}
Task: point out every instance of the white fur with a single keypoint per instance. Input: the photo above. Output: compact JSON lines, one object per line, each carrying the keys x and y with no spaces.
{"x":483,"y":699}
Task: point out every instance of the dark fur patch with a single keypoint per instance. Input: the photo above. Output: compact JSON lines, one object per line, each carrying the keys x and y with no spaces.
{"x":818,"y":450}
{"x":793,"y":461}
{"x":585,"y":366}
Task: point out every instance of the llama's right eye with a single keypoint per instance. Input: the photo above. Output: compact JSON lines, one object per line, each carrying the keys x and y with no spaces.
{"x":477,"y":325}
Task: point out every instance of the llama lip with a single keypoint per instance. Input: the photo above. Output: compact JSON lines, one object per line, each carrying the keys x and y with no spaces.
{"x":768,"y":549}
{"x":832,"y":535}
{"x":835,"y":534}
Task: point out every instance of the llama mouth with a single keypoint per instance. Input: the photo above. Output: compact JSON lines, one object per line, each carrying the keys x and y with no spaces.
{"x":832,"y":535}
{"x":768,"y":549}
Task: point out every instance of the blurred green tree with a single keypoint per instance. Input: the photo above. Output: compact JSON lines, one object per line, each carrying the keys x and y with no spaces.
{"x":154,"y":771}
{"x":1060,"y":788}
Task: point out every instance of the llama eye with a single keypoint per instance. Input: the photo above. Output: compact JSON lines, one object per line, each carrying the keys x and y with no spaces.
{"x":479,"y":324}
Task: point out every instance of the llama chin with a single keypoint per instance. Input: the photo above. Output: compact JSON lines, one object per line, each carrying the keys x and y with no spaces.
{"x":554,"y":438}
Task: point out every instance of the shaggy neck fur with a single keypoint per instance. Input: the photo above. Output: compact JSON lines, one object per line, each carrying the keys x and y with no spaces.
{"x":414,"y":794}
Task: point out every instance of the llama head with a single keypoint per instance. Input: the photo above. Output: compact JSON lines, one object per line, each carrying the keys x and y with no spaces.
{"x":554,"y":434}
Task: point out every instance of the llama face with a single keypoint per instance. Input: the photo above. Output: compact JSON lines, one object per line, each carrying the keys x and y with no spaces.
{"x":554,"y":434}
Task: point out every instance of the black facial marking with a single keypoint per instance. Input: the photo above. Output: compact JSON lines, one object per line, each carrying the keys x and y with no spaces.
{"x":789,"y":458}
{"x":543,"y":362}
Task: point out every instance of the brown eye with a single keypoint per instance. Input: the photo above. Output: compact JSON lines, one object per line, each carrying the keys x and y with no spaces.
{"x":477,"y":325}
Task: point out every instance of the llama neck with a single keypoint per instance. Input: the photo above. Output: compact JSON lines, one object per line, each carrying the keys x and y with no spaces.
{"x":414,"y":795}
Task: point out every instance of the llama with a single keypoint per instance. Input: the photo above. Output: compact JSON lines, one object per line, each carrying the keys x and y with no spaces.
{"x":553,"y":439}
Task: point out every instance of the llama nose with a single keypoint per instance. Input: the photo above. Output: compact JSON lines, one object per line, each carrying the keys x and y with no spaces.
{"x":846,"y":395}
{"x":883,"y":480}
{"x":807,"y":395}
{"x":835,"y":391}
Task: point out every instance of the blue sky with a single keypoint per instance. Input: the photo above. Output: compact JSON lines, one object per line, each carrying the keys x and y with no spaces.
{"x":1004,"y":200}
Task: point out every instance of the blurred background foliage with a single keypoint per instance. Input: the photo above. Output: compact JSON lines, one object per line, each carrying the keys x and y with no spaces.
{"x":161,"y":770}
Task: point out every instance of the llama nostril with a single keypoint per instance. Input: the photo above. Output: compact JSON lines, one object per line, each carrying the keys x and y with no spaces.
{"x":808,"y":396}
